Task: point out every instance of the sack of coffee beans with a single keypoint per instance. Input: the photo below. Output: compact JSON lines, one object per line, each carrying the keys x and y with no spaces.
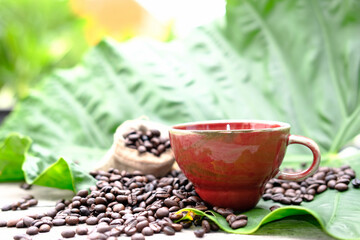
{"x":140,"y":145}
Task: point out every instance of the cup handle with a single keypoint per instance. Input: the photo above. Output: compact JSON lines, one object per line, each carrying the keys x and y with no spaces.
{"x":294,"y":139}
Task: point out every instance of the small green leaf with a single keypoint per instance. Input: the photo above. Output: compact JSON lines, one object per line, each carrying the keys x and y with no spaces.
{"x":59,"y":173}
{"x":13,"y":151}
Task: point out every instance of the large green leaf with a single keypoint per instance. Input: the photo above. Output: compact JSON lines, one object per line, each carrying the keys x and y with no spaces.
{"x":336,"y":212}
{"x":305,"y":57}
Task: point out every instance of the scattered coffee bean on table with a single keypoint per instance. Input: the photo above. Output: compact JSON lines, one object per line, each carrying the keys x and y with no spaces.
{"x":68,"y":233}
{"x":295,"y":193}
{"x":199,"y":233}
{"x":149,"y":141}
{"x":3,"y":223}
{"x":32,"y":230}
{"x":26,"y":186}
{"x":23,"y":204}
{"x":132,"y":204}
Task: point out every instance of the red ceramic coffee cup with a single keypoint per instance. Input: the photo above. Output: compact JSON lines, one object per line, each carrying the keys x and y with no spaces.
{"x":229,"y":162}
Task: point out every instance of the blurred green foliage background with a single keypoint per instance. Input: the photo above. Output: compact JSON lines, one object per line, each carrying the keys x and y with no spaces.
{"x":36,"y":37}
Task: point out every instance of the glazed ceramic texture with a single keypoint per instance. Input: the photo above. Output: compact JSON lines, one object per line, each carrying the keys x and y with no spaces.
{"x":229,"y":163}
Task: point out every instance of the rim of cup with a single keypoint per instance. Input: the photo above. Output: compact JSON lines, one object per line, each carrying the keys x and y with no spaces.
{"x":279,"y":126}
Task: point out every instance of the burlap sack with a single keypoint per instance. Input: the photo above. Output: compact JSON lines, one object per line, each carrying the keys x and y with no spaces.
{"x":124,"y":158}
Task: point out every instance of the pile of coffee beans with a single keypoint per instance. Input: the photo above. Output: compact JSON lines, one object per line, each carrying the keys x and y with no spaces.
{"x":149,"y":141}
{"x":289,"y":192}
{"x":23,"y":204}
{"x":128,"y":204}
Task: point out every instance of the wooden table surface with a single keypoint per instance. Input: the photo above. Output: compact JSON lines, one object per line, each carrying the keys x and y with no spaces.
{"x":290,"y":228}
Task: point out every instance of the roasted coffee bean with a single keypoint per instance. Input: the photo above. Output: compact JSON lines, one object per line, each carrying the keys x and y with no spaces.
{"x":68,"y":233}
{"x":12,"y":222}
{"x":341,"y":187}
{"x":199,"y":233}
{"x":100,"y":200}
{"x":168,"y":230}
{"x":147,"y":231}
{"x":155,"y":227}
{"x":319,"y":176}
{"x":343,"y":180}
{"x":330,"y":177}
{"x":28,"y":197}
{"x":331,"y":184}
{"x":22,"y":237}
{"x":141,"y":149}
{"x":162,"y":212}
{"x":241,"y":216}
{"x":129,"y":231}
{"x":137,"y":236}
{"x":286,"y":200}
{"x":44,"y":228}
{"x":32,"y":202}
{"x":239,"y":224}
{"x":296,"y":200}
{"x":51,"y":213}
{"x":82,"y":219}
{"x":81,"y":230}
{"x":102,"y":228}
{"x":356,"y":183}
{"x":170,"y":203}
{"x":266,"y":196}
{"x":308,"y":197}
{"x":82,"y":193}
{"x":92,"y":221}
{"x":6,"y":207}
{"x":224,"y":212}
{"x":59,"y":222}
{"x":32,"y":230}
{"x":272,"y":208}
{"x":231,"y":218}
{"x":214,"y":227}
{"x":155,"y":132}
{"x":177,"y":227}
{"x":206,"y":226}
{"x":72,"y":220}
{"x":38,"y":223}
{"x":105,"y":219}
{"x":28,"y":221}
{"x":100,"y":208}
{"x":133,"y":137}
{"x":76,"y":204}
{"x":97,"y":236}
{"x":141,"y":225}
{"x":277,"y":197}
{"x":60,"y":206}
{"x":20,"y":224}
{"x":3,"y":223}
{"x":132,"y":200}
{"x":321,"y":188}
{"x":278,"y":190}
{"x":24,"y":206}
{"x":311,"y":191}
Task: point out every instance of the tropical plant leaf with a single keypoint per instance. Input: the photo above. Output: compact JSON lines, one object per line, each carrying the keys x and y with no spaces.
{"x":307,"y":65}
{"x":12,"y":155}
{"x":334,"y":211}
{"x":60,"y":174}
